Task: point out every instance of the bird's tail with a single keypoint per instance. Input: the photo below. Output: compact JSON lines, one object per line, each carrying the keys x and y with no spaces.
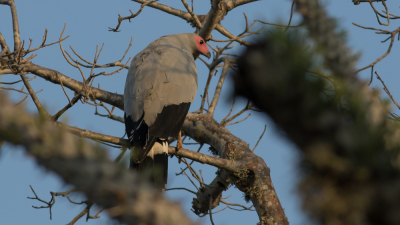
{"x":155,"y":165}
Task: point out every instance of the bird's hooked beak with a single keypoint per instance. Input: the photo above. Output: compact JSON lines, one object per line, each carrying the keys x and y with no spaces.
{"x":208,"y":55}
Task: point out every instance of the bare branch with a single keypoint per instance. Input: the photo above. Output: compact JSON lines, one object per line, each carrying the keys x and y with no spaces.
{"x":80,"y":215}
{"x":113,"y":64}
{"x":49,"y":203}
{"x":194,"y":16}
{"x":210,"y":212}
{"x":387,"y":90}
{"x":55,"y":77}
{"x":226,"y":33}
{"x":280,"y":25}
{"x":17,"y":39}
{"x":265,"y":128}
{"x":13,"y":89}
{"x":170,"y":189}
{"x":120,"y":19}
{"x":66,"y":93}
{"x":392,"y":37}
{"x":218,"y":89}
{"x":214,"y":16}
{"x":357,"y":2}
{"x":39,"y":106}
{"x":15,"y":82}
{"x":239,"y":120}
{"x":225,"y":121}
{"x":95,"y":136}
{"x":204,"y":129}
{"x":69,"y":105}
{"x":377,"y":13}
{"x":227,"y":116}
{"x":179,"y":13}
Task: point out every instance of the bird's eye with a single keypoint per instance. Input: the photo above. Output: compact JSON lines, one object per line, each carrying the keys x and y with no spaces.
{"x":201,"y":42}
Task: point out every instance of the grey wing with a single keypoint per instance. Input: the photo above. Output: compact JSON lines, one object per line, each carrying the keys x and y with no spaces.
{"x":157,"y":78}
{"x":141,"y":81}
{"x":179,"y":83}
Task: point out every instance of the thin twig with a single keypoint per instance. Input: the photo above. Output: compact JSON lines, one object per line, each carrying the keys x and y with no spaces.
{"x":218,"y":89}
{"x":234,"y":204}
{"x":39,"y":106}
{"x":291,"y":16}
{"x":26,"y":96}
{"x":377,"y":13}
{"x":190,"y":180}
{"x":239,"y":120}
{"x":392,"y":37}
{"x":194,"y":16}
{"x":120,"y":19}
{"x":198,"y":150}
{"x":265,"y":128}
{"x":170,"y":189}
{"x":210,"y":212}
{"x":65,"y":92}
{"x":387,"y":90}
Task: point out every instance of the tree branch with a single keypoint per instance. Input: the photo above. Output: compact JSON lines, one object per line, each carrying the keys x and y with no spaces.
{"x":220,"y":83}
{"x":215,"y":15}
{"x":55,"y":77}
{"x":251,"y":177}
{"x":83,"y":165}
{"x":41,"y":109}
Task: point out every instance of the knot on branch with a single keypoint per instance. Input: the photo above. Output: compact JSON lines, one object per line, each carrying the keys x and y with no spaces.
{"x":199,"y":207}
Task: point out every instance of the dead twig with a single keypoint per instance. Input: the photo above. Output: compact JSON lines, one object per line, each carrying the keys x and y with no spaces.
{"x":170,"y":189}
{"x":65,"y":93}
{"x":387,"y":90}
{"x":265,"y":128}
{"x":52,"y":200}
{"x":378,"y":14}
{"x":196,"y":22}
{"x":234,"y":204}
{"x":120,"y":19}
{"x":380,"y":31}
{"x":218,"y":89}
{"x":210,"y":212}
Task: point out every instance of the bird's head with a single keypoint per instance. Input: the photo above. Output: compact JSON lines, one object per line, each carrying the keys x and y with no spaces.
{"x":202,"y":46}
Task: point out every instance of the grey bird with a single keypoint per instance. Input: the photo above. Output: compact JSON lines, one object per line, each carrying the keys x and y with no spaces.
{"x":160,"y":86}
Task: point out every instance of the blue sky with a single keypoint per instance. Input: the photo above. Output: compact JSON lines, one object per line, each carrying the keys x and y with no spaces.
{"x":87,"y":25}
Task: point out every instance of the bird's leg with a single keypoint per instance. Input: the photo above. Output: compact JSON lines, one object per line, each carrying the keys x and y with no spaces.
{"x":179,"y":143}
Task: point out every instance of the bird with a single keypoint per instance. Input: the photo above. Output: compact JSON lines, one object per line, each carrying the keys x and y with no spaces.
{"x":160,"y":86}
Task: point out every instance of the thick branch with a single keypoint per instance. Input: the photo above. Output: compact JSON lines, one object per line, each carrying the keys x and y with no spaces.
{"x":336,"y":142}
{"x":89,"y":169}
{"x":323,"y":29}
{"x":252,"y":176}
{"x":215,"y":15}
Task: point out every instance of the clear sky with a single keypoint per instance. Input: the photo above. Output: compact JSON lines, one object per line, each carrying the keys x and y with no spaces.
{"x":87,"y":25}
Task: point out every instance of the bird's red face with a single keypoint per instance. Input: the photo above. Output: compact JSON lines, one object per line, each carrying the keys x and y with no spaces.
{"x":201,"y":45}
